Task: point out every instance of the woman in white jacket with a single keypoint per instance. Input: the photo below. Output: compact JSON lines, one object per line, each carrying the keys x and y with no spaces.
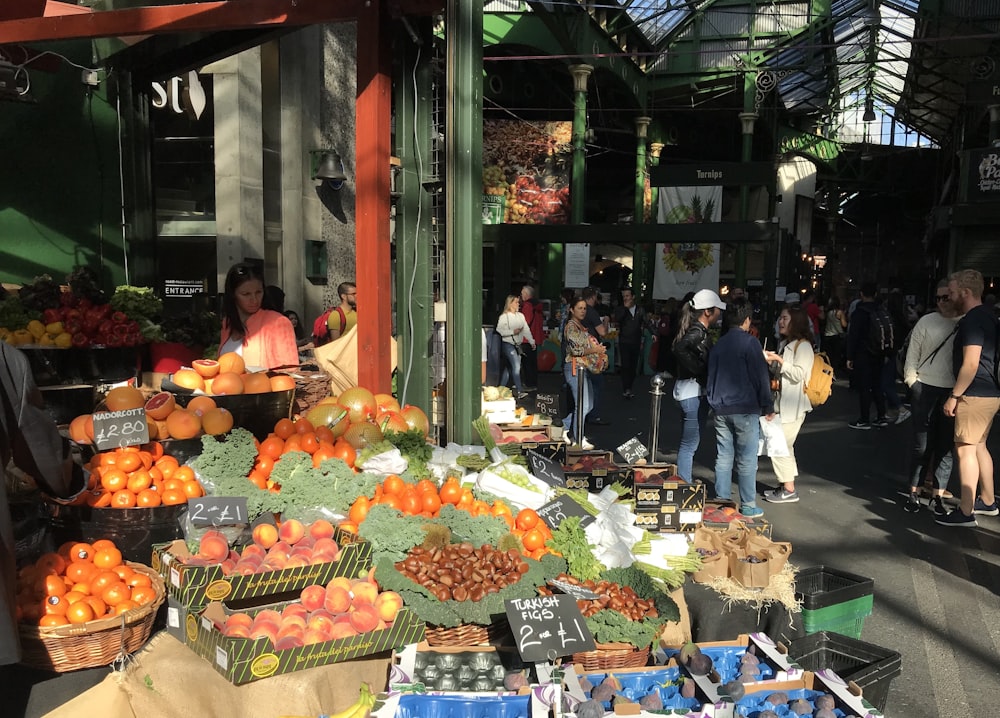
{"x":513,"y":329}
{"x":795,"y":359}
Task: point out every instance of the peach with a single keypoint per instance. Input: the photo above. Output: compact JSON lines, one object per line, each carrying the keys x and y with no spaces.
{"x":274,"y":563}
{"x":339,"y":581}
{"x":364,"y":619}
{"x":234,"y":556}
{"x":297,"y":561}
{"x":295,"y":609}
{"x":292,"y":628}
{"x":288,"y":641}
{"x":265,"y":535}
{"x":237,"y":632}
{"x":268,"y":614}
{"x":306,"y":541}
{"x":326,"y":545}
{"x":280,"y":549}
{"x":313,"y":597}
{"x":363,"y":593}
{"x":214,"y":546}
{"x":320,"y":557}
{"x":244,"y":567}
{"x":264,"y":630}
{"x":321,"y":528}
{"x":227,"y":566}
{"x":320,"y":620}
{"x":291,"y":531}
{"x":342,"y":630}
{"x":253,"y":550}
{"x":387,"y":604}
{"x":239,"y":619}
{"x":301,"y":550}
{"x":338,"y":600}
{"x":314,"y":635}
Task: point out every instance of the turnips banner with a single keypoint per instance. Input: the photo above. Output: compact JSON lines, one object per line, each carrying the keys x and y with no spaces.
{"x":683,"y":268}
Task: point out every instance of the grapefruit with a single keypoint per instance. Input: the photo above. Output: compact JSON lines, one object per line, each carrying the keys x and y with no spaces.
{"x":386,"y":402}
{"x":256,"y":383}
{"x":160,"y":405}
{"x":124,"y":397}
{"x":282,"y":382}
{"x":231,"y":361}
{"x":201,"y":404}
{"x":416,"y":418}
{"x":81,"y":429}
{"x":207,"y":368}
{"x":183,"y":424}
{"x":360,"y":404}
{"x":217,"y":421}
{"x":328,"y":415}
{"x":391,"y":421}
{"x":227,"y":382}
{"x":189,"y":379}
{"x":362,"y":434}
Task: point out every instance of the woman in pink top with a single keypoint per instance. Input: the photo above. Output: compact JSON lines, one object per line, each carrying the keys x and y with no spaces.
{"x":264,"y":338}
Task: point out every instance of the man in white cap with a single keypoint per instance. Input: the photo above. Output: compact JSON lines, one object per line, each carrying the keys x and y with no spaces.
{"x":690,"y":348}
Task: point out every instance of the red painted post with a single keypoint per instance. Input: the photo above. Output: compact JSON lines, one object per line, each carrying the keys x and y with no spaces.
{"x":374,"y":276}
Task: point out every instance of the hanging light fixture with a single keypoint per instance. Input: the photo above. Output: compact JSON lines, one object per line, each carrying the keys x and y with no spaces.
{"x":328,"y":168}
{"x":869,"y":115}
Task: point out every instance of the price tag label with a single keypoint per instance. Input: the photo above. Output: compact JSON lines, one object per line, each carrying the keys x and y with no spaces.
{"x":555,"y":512}
{"x":633,"y":450}
{"x":113,"y":429}
{"x":571,"y":589}
{"x":547,"y":405}
{"x":546,"y":627}
{"x":544,"y":468}
{"x":218,"y":511}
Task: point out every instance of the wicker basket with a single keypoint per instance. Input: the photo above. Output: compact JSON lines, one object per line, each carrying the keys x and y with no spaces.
{"x":95,"y":643}
{"x":468,"y":634}
{"x":612,"y":655}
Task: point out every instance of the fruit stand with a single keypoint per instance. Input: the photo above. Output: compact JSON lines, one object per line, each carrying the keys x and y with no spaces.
{"x":330,"y":545}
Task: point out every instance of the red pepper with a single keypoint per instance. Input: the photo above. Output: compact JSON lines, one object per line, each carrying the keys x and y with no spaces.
{"x":51,"y":315}
{"x":118,"y":316}
{"x":104,"y":310}
{"x":73,"y":325}
{"x":81,"y":340}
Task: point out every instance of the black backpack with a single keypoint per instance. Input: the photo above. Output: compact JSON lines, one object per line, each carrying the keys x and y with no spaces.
{"x":880,"y":332}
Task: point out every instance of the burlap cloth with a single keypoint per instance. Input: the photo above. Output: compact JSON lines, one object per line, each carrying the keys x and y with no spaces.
{"x":167,"y":679}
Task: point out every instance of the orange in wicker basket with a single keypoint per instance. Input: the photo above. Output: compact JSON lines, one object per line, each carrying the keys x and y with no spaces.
{"x":612,"y":655}
{"x":95,"y":643}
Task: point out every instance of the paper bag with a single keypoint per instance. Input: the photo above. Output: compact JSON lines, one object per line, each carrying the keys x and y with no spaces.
{"x":750,"y":569}
{"x":712,"y":567}
{"x":339,"y":359}
{"x":775,"y":552}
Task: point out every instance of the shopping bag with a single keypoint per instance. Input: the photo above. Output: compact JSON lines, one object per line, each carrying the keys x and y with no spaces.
{"x":772,"y":439}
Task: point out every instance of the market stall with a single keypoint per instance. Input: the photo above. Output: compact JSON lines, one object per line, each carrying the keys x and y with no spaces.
{"x":518,"y":576}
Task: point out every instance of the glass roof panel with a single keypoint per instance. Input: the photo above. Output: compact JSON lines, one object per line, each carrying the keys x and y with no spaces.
{"x":657,"y":18}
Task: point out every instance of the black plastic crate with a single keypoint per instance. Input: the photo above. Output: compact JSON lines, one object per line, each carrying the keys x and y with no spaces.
{"x":822,"y":586}
{"x":871,"y":667}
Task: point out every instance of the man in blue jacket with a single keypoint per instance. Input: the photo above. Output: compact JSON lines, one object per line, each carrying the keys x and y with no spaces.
{"x":739,"y":392}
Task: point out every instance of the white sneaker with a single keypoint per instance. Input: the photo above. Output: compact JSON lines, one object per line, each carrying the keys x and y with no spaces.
{"x":904,"y":414}
{"x":586,"y":445}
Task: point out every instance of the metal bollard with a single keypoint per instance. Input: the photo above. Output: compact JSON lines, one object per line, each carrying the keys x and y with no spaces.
{"x":581,"y":380}
{"x":657,"y":382}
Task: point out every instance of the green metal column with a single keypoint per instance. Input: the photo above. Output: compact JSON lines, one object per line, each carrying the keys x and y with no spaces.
{"x":464,"y":231}
{"x":639,"y":251}
{"x":577,"y":182}
{"x":414,"y":300}
{"x":747,"y":119}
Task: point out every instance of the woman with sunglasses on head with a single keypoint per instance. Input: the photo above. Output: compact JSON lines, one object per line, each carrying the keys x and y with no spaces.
{"x":263,"y":337}
{"x":929,"y":374}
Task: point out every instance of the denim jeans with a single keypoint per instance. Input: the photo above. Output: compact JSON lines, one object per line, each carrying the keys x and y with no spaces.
{"x":511,"y":366}
{"x":933,"y":435}
{"x":690,"y":435}
{"x":586,"y":401}
{"x":737,"y":436}
{"x":892,"y":400}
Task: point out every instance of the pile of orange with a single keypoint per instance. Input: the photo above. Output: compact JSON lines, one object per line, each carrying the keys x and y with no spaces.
{"x":299,"y":435}
{"x":425,"y":498}
{"x":165,"y":419}
{"x":228,"y":376}
{"x":139,"y":477}
{"x":79,"y":583}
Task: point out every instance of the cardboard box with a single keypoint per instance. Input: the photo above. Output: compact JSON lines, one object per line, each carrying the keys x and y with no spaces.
{"x":196,"y":586}
{"x":176,"y":618}
{"x":595,"y":480}
{"x":762,"y":526}
{"x":554,"y":449}
{"x":669,"y":507}
{"x":241,"y":660}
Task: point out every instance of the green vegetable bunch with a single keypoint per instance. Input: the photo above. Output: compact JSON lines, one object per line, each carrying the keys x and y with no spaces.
{"x":570,"y":540}
{"x":610,"y":626}
{"x":14,"y":315}
{"x":413,"y":446}
{"x":141,"y":305}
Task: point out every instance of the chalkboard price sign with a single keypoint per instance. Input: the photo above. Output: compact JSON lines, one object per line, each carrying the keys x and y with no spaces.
{"x":218,"y":511}
{"x":555,"y":512}
{"x":571,"y":589}
{"x":546,"y":469}
{"x":546,"y":627}
{"x":633,"y":450}
{"x":547,"y":405}
{"x":113,"y":429}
